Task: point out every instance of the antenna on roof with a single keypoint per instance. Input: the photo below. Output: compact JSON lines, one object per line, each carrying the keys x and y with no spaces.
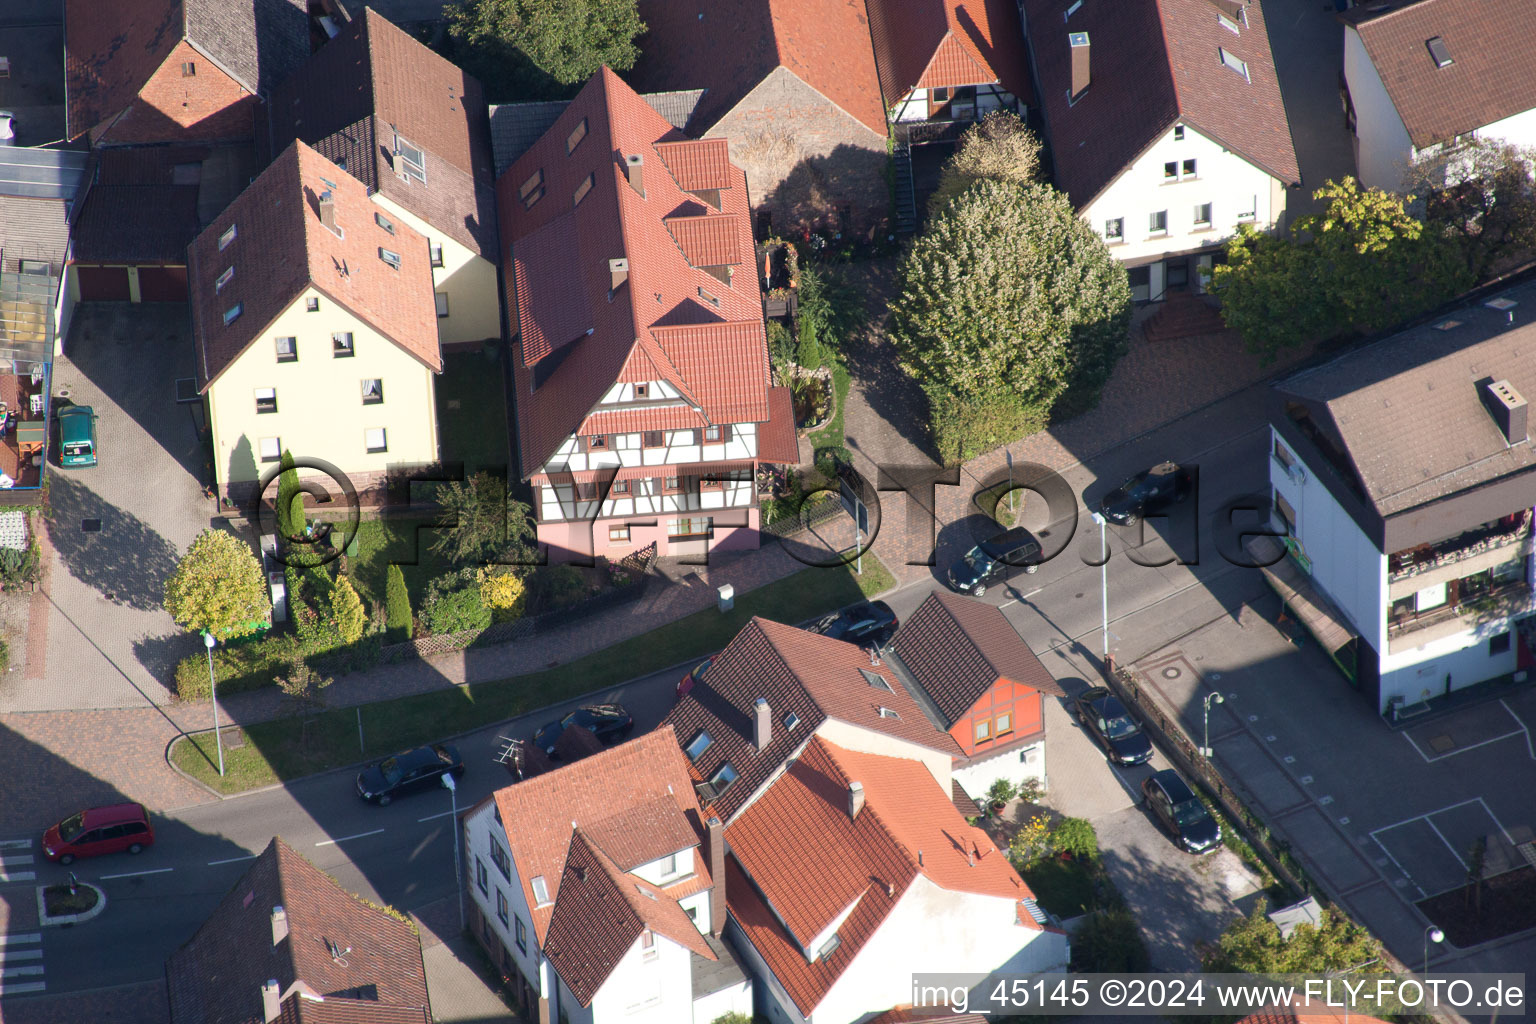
{"x":337,"y":953}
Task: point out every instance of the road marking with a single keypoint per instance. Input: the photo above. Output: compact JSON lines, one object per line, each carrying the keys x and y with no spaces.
{"x":16,"y":860}
{"x":16,"y":990}
{"x":430,"y":817}
{"x":231,"y":860}
{"x":19,"y":876}
{"x":1529,"y":746}
{"x":21,"y":954}
{"x":1463,"y":750}
{"x":15,"y":844}
{"x":135,"y":874}
{"x":1431,"y":823}
{"x":1022,"y":597}
{"x":1489,"y":811}
{"x":342,"y":839}
{"x":16,"y":940}
{"x":21,"y":972}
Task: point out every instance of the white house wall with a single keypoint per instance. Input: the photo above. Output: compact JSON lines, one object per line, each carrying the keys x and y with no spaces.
{"x":1013,"y":765}
{"x":869,"y":741}
{"x":468,"y":279}
{"x":1448,"y":664}
{"x":1383,"y":150}
{"x":641,"y":991}
{"x":711,"y":1006}
{"x":1518,"y":129}
{"x":479,"y":828}
{"x":679,"y":450}
{"x":1228,"y":182}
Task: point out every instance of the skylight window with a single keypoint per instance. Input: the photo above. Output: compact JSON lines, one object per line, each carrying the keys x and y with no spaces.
{"x":223,"y":280}
{"x":583,"y":189}
{"x":540,"y":890}
{"x":390,"y":257}
{"x":1234,"y":62}
{"x":233,"y":313}
{"x":707,"y":297}
{"x":876,"y":680}
{"x":698,"y":745}
{"x":886,"y":712}
{"x":722,"y":779}
{"x":791,"y":720}
{"x":1439,"y":51}
{"x":227,"y":237}
{"x":574,"y":139}
{"x":532,"y":190}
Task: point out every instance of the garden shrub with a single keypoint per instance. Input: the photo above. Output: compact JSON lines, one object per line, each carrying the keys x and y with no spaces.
{"x":1077,"y":837}
{"x":1001,"y":792}
{"x":20,"y":567}
{"x":397,"y":605}
{"x":239,"y":668}
{"x":458,"y":611}
{"x":347,"y":612}
{"x":503,"y":592}
{"x":557,"y":586}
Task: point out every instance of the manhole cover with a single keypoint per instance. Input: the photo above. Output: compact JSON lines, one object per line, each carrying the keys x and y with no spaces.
{"x":90,"y":526}
{"x":1172,"y":673}
{"x":234,"y":738}
{"x":1442,"y":744}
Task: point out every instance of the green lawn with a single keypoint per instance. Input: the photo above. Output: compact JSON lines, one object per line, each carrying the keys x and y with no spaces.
{"x":472,"y":411}
{"x":382,"y":541}
{"x":282,"y":750}
{"x":832,"y":434}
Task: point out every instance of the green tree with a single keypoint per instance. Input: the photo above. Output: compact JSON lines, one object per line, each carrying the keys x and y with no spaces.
{"x":1009,"y":296}
{"x":1480,"y":193}
{"x":290,"y":513}
{"x":482,"y":522}
{"x":218,"y":587}
{"x":1363,"y":263}
{"x":347,"y":611}
{"x":566,"y":40}
{"x":1253,"y":945}
{"x":999,"y":146}
{"x":397,"y":605}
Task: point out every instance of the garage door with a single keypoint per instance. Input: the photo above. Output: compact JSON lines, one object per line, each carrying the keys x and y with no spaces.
{"x":103,"y":284}
{"x":163,"y":284}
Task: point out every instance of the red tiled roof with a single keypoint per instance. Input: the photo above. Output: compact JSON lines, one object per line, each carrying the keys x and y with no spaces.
{"x":1492,"y":74}
{"x":739,"y":43}
{"x":111,"y":50}
{"x":800,"y":829}
{"x":937,"y":43}
{"x":600,"y":915}
{"x":1154,"y":63}
{"x":541,"y":815}
{"x":708,"y":241}
{"x":374,"y":80}
{"x":628,"y":421}
{"x":297,"y":1009}
{"x":927,"y":1015}
{"x":705,"y":337}
{"x":957,"y":648}
{"x":698,"y":165}
{"x":281,"y":248}
{"x":216,"y":977}
{"x":776,"y":439}
{"x":631,"y":836}
{"x":799,"y":674}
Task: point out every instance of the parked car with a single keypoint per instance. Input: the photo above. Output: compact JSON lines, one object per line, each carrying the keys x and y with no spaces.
{"x":100,"y":830}
{"x":697,"y":675}
{"x":993,"y":561}
{"x":1118,"y":733}
{"x":1181,"y":812}
{"x":869,"y":624}
{"x":77,"y":437}
{"x":608,"y":722}
{"x":1147,"y":492}
{"x":409,"y":772}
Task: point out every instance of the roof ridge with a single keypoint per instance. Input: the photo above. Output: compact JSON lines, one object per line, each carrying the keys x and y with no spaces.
{"x":832,"y":750}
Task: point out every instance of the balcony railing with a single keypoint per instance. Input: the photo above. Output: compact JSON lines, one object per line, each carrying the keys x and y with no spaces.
{"x":1427,"y":558}
{"x":1498,"y":602}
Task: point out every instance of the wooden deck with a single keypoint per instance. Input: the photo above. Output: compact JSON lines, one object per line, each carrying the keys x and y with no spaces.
{"x":15,"y":392}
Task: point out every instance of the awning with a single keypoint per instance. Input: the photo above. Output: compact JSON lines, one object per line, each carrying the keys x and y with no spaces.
{"x":776,"y":439}
{"x":1296,"y":589}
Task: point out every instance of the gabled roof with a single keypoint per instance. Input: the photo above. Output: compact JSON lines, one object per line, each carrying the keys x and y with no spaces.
{"x":140,"y":206}
{"x":927,"y":1015}
{"x":800,"y":829}
{"x":216,"y":976}
{"x":1152,"y":64}
{"x":957,"y":648}
{"x":113,"y":48}
{"x":374,"y":84}
{"x":542,"y":816}
{"x":280,"y":249}
{"x":1406,"y":410}
{"x":728,"y":48}
{"x":1492,"y":74}
{"x":670,"y":319}
{"x":601,"y":913}
{"x":801,"y":675}
{"x":515,"y":127}
{"x":945,"y":43}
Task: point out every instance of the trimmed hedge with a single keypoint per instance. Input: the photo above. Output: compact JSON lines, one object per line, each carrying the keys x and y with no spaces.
{"x":240,"y":668}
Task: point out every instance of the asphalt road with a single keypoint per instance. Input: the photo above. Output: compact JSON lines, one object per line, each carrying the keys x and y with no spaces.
{"x":402,"y":854}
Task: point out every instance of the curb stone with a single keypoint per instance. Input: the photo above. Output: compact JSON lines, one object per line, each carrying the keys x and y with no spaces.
{"x":45,"y":920}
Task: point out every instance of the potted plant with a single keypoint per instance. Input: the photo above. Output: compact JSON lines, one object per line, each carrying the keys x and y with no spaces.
{"x":1001,"y":792}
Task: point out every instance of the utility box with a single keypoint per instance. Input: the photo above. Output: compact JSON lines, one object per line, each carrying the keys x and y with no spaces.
{"x":727,"y":598}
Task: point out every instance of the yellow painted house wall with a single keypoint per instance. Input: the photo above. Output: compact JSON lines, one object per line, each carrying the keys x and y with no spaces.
{"x":320,"y":411}
{"x":474,"y":311}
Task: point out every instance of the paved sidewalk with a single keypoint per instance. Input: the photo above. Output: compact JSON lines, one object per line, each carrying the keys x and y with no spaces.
{"x":459,"y":982}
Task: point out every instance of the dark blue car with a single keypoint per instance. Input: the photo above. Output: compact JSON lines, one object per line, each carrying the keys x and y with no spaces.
{"x":1182,"y":813}
{"x":409,"y":772}
{"x":608,"y":722}
{"x":1102,"y":714}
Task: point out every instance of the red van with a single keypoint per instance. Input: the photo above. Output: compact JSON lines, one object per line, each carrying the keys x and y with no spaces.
{"x":97,"y":831}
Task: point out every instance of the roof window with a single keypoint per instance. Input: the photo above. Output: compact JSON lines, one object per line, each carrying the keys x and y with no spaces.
{"x":707,"y":297}
{"x":583,"y":189}
{"x":390,"y":257}
{"x":1076,"y":4}
{"x":1439,"y":52}
{"x":1234,"y":62}
{"x":722,"y":779}
{"x":223,"y":280}
{"x":532,"y":190}
{"x":577,"y":134}
{"x":791,"y":720}
{"x":227,"y":237}
{"x":876,"y":680}
{"x":540,"y":891}
{"x":698,"y":745}
{"x":233,"y":313}
{"x":886,"y":712}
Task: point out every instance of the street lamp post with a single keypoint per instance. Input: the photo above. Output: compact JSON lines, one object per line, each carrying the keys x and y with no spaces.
{"x":213,"y":692}
{"x":458,"y":875}
{"x":1104,"y":580}
{"x":1435,"y":935}
{"x":1206,"y":751}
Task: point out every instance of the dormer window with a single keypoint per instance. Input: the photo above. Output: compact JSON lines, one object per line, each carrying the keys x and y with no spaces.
{"x":384,"y":222}
{"x":390,"y":257}
{"x":574,"y":139}
{"x":707,"y":297}
{"x":227,"y":237}
{"x":532,"y":190}
{"x":886,"y":712}
{"x":223,"y":280}
{"x":722,"y":779}
{"x":642,"y":391}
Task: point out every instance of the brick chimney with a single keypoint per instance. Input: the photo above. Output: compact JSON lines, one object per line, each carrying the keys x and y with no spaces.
{"x":328,"y":210}
{"x":855,"y":799}
{"x":1078,"y":41}
{"x":634,"y":170}
{"x":279,"y":925}
{"x":762,"y":723}
{"x":618,"y":273}
{"x":716,"y":840}
{"x":271,"y":1001}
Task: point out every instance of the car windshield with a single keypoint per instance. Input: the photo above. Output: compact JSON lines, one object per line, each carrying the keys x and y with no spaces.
{"x":390,"y":767}
{"x":569,"y":719}
{"x":978,"y":559}
{"x":1121,"y":726}
{"x":1190,"y":812}
{"x":71,"y":826}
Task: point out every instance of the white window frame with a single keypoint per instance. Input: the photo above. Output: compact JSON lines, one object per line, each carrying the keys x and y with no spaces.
{"x":1114,"y":229}
{"x":369,"y":439}
{"x":411,"y":162}
{"x":1152,"y":228}
{"x":269,"y":452}
{"x":390,"y":257}
{"x":1234,"y":62}
{"x":292,"y":355}
{"x":266,"y":395}
{"x":1207,"y":209}
{"x":227,"y":237}
{"x":440,"y":299}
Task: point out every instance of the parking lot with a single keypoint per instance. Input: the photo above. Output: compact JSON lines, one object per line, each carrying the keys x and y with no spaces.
{"x":117,"y":528}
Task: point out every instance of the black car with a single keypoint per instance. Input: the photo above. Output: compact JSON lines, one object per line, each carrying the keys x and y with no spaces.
{"x":413,"y":770}
{"x":1146,"y":493}
{"x":1117,"y":732}
{"x":608,"y":722}
{"x":994,"y":561}
{"x":870,"y":624}
{"x":1181,"y":811}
